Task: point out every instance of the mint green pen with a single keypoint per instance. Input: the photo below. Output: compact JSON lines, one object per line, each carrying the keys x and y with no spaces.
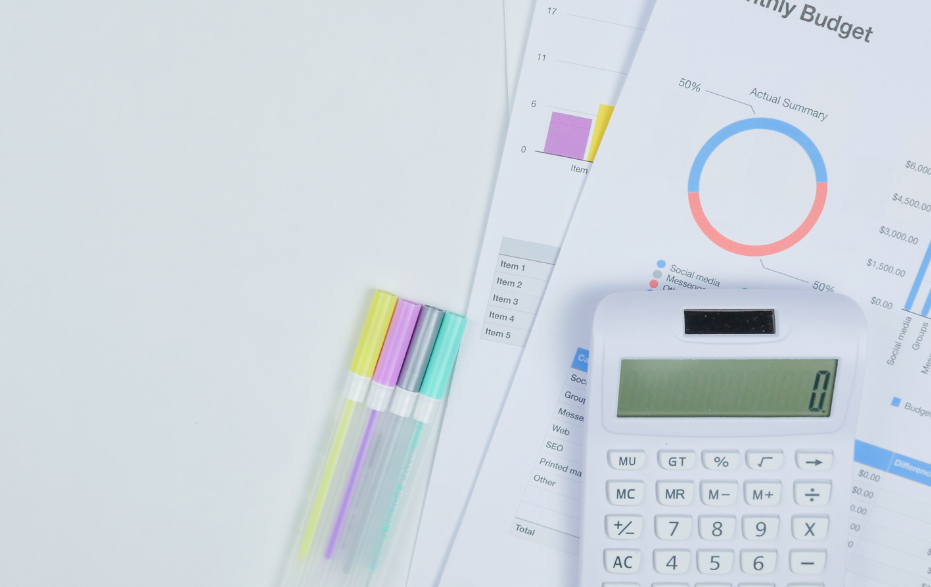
{"x":408,"y":450}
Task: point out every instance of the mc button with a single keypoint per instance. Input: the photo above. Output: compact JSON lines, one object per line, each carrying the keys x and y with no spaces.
{"x":625,"y":492}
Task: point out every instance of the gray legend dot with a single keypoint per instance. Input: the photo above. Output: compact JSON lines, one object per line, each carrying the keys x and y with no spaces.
{"x":657,"y":274}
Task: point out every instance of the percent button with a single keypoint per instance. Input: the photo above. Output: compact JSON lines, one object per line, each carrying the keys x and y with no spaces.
{"x":720,"y":460}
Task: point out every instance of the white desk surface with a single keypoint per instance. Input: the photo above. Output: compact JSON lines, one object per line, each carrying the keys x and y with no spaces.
{"x":196,"y":201}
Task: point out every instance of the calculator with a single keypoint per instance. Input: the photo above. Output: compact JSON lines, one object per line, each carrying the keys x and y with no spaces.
{"x":719,"y":446}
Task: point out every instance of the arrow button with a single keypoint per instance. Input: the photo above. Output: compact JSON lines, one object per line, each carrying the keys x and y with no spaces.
{"x":814,"y":460}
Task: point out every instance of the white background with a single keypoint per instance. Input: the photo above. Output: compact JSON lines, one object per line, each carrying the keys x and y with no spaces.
{"x":196,"y":202}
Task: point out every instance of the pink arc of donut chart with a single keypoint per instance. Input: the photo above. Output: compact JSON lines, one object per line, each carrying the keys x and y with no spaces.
{"x":821,"y":187}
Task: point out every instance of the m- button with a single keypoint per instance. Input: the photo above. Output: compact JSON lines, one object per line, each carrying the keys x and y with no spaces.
{"x":719,"y":492}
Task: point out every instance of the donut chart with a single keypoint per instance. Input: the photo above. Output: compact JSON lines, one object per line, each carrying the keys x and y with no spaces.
{"x":821,"y":186}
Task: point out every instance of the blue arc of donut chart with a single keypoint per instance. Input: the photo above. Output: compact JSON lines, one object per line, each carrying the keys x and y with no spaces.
{"x":821,"y":186}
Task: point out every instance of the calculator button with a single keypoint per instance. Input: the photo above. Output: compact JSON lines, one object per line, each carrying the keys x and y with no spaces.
{"x":764,"y":460}
{"x":714,"y":562}
{"x":813,"y":493}
{"x":758,"y":562}
{"x":807,"y":562}
{"x":676,"y":459}
{"x":719,"y":492}
{"x":809,"y":527}
{"x":716,"y":527}
{"x":806,"y":584}
{"x":762,"y":493}
{"x":755,"y":585}
{"x":814,"y":460}
{"x":675,"y":492}
{"x":670,"y":585}
{"x":623,"y":527}
{"x":760,"y":527}
{"x":625,"y":492}
{"x":673,"y":527}
{"x":622,"y":561}
{"x":627,"y":459}
{"x":720,"y":460}
{"x":671,"y":562}
{"x":712,"y":585}
{"x":612,"y":584}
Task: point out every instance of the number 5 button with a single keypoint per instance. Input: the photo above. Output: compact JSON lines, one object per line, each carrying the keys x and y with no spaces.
{"x":715,"y":562}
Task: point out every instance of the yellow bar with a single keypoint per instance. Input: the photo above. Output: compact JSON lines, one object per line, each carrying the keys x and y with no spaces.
{"x":327,"y":478}
{"x":601,"y":124}
{"x":373,"y":333}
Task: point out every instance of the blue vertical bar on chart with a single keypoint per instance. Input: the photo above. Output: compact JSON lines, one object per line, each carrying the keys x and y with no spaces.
{"x":918,"y":279}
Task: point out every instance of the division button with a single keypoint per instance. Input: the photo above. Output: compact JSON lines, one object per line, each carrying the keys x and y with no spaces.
{"x":814,"y":460}
{"x":625,"y":492}
{"x":812,"y":493}
{"x":622,"y":561}
{"x":627,"y":459}
{"x":676,"y":459}
{"x":764,"y":460}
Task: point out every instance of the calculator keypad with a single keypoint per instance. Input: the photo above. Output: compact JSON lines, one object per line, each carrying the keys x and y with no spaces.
{"x":752,"y":498}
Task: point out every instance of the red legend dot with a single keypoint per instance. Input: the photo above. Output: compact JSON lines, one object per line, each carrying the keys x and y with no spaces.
{"x":653,"y":283}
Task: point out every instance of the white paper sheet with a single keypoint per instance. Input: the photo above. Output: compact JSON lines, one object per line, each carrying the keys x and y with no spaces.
{"x":575,"y":64}
{"x":863,"y":105}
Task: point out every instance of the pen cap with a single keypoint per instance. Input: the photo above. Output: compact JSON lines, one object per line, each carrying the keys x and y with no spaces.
{"x":443,"y":357}
{"x":418,"y":354}
{"x":396,"y":343}
{"x":373,"y":333}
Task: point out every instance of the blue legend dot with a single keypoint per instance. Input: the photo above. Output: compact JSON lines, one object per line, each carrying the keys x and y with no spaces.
{"x":896,"y":401}
{"x":661,"y":263}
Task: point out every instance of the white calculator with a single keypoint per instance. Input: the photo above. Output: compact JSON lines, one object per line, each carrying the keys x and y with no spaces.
{"x":719,"y":447}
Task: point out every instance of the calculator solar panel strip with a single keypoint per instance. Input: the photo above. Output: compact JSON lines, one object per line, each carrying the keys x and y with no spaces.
{"x":719,"y":445}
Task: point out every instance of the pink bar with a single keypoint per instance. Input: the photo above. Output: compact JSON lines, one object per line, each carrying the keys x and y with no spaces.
{"x":568,"y":135}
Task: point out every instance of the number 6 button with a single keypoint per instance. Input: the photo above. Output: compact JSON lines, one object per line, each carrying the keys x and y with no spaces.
{"x":758,"y":562}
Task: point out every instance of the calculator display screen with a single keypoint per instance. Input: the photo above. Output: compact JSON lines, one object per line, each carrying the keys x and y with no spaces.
{"x":688,"y":388}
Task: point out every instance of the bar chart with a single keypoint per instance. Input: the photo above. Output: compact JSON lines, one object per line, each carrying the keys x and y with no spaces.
{"x":577,"y":137}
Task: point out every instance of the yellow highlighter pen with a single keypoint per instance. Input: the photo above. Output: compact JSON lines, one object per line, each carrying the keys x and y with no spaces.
{"x":342,"y":439}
